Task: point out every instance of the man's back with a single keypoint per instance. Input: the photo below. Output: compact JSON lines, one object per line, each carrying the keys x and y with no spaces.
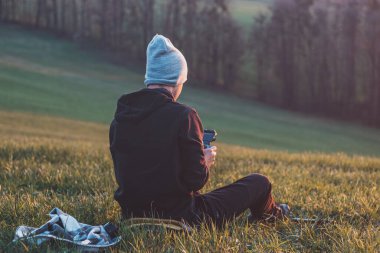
{"x":159,"y":160}
{"x":157,"y":152}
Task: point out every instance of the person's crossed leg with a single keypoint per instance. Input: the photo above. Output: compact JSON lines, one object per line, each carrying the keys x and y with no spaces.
{"x":251,"y":192}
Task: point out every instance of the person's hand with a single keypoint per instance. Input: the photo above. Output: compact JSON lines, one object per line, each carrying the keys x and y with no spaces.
{"x":210,"y":156}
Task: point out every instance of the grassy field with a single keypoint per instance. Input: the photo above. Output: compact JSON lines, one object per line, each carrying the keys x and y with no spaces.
{"x":48,"y":162}
{"x":42,"y":74}
{"x":56,"y":100}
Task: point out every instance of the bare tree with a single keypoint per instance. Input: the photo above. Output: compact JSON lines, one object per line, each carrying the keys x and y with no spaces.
{"x":147,"y":18}
{"x":63,"y":16}
{"x":54,"y":10}
{"x":258,"y":44}
{"x":2,"y":9}
{"x":350,"y":23}
{"x":41,"y":10}
{"x":372,"y":33}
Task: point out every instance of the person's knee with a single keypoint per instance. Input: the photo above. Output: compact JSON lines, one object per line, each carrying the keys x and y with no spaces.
{"x":261,"y":180}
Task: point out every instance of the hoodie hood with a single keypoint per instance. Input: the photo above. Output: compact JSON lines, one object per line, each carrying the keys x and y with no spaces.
{"x":135,"y":107}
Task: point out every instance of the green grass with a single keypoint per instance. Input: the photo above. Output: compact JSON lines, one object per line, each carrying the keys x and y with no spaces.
{"x":48,"y":162}
{"x":56,"y":100}
{"x":42,"y":74}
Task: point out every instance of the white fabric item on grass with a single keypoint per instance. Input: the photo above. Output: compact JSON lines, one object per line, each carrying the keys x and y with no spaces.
{"x":64,"y":227}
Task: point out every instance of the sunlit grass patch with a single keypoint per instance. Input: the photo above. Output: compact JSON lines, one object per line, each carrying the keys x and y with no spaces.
{"x":76,"y":175}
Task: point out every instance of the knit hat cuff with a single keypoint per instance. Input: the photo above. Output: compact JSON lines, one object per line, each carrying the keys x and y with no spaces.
{"x":160,"y":81}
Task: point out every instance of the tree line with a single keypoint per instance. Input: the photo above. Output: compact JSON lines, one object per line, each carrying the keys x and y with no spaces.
{"x":201,"y":29}
{"x":319,"y":56}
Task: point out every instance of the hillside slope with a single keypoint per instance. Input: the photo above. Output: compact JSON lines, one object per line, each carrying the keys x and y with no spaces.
{"x":42,"y":74}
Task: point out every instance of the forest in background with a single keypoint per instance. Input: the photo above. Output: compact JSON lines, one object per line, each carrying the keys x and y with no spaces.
{"x":314,"y":56}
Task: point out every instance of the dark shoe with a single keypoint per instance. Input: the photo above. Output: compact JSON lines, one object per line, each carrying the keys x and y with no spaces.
{"x":281,"y":212}
{"x":285,"y":210}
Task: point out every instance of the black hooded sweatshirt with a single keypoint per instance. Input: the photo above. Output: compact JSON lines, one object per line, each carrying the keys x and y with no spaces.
{"x":157,"y":150}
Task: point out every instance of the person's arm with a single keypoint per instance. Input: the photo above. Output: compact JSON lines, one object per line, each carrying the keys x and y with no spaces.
{"x":194,"y":169}
{"x":111,"y":135}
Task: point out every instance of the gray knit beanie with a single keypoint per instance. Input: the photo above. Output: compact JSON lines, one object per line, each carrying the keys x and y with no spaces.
{"x":165,"y":63}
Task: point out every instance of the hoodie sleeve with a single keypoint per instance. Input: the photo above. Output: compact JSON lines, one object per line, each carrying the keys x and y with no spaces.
{"x":194,"y":170}
{"x":112,"y":139}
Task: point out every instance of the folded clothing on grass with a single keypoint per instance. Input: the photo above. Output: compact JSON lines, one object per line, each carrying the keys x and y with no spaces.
{"x":64,"y":227}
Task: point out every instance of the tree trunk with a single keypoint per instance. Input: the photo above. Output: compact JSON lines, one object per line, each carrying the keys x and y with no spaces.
{"x":75,"y":18}
{"x":1,"y":9}
{"x":55,"y":14}
{"x":39,"y":12}
{"x":63,"y":16}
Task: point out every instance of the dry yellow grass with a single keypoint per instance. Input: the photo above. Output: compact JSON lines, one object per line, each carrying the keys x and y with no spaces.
{"x":48,"y":162}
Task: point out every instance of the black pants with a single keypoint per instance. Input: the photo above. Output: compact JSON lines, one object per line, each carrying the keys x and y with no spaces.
{"x":223,"y":204}
{"x":252,"y":192}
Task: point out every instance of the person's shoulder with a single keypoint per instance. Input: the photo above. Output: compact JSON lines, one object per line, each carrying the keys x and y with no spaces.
{"x":184,"y":109}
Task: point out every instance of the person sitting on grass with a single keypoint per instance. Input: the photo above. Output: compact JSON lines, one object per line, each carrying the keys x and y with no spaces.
{"x":159,"y":159}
